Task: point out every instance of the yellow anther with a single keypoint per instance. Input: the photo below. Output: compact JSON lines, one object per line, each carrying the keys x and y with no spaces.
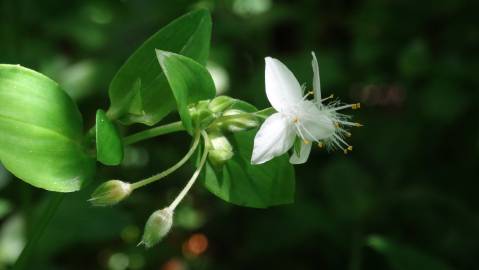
{"x":295,"y":120}
{"x":310,"y":93}
{"x":350,"y":148}
{"x":348,"y":134}
{"x":306,"y":141}
{"x":345,"y":151}
{"x":356,"y":106}
{"x":336,"y":125}
{"x":358,"y":125}
{"x":320,"y":144}
{"x":331,"y":96}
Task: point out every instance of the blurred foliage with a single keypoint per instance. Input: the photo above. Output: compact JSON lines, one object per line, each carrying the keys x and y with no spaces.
{"x":404,"y":199}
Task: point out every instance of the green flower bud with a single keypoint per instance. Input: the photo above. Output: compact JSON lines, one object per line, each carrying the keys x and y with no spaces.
{"x":244,"y":121}
{"x":110,"y":193}
{"x":220,"y":103}
{"x":220,"y":149}
{"x":201,"y":115}
{"x":157,"y":226}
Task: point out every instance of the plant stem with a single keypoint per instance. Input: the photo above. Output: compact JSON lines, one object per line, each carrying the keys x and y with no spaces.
{"x":153,"y":132}
{"x":50,"y":210}
{"x":173,"y":168}
{"x":193,"y":178}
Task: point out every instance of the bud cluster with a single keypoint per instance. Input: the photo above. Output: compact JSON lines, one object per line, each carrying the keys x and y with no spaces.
{"x":221,"y":115}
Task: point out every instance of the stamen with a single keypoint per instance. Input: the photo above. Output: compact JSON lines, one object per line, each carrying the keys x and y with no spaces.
{"x":346,"y":123}
{"x":306,"y":141}
{"x":295,"y":120}
{"x":350,"y":148}
{"x":310,"y":93}
{"x":352,"y":106}
{"x":348,"y":134}
{"x":340,"y":146}
{"x":307,"y":131}
{"x":326,"y":98}
{"x":320,"y":144}
{"x":299,"y":130}
{"x":341,"y":140}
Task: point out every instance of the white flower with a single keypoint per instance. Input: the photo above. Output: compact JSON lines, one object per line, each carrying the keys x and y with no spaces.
{"x":298,"y":117}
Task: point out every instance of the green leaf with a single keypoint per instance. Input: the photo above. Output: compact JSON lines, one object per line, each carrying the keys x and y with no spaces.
{"x":403,"y":257}
{"x":241,"y":183}
{"x":189,"y":81}
{"x":139,"y":92}
{"x":41,"y":132}
{"x":109,"y":147}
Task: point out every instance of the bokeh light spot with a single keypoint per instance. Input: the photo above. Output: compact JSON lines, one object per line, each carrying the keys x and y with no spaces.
{"x":196,"y":244}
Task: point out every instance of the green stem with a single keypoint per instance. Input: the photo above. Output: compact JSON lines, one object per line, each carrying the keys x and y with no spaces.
{"x":153,"y":132}
{"x":50,"y":210}
{"x":193,"y":178}
{"x":168,"y":171}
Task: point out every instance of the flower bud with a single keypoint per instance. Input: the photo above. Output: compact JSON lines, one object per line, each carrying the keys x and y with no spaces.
{"x":157,"y":226}
{"x":110,"y":193}
{"x":220,"y":149}
{"x":244,"y":121}
{"x":200,"y":114}
{"x":220,"y":103}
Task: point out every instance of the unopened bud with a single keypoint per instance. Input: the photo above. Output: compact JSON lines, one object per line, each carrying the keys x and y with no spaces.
{"x":157,"y":226}
{"x":220,"y":103}
{"x":243,"y":121}
{"x":220,"y":149}
{"x":200,"y":114}
{"x":110,"y":193}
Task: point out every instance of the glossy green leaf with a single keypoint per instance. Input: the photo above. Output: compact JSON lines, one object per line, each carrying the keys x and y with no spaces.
{"x":189,"y":81}
{"x":241,"y":183}
{"x":109,"y":147}
{"x":139,"y":92}
{"x":41,"y":132}
{"x":402,"y":257}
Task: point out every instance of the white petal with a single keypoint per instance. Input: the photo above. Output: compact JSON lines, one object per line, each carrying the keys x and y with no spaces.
{"x":303,"y":154}
{"x":315,"y":124}
{"x":282,"y":88}
{"x":316,"y":82}
{"x":273,"y":139}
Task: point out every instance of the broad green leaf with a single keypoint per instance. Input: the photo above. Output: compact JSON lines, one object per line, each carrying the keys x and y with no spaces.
{"x":139,"y":92}
{"x":402,"y":257}
{"x":41,"y":132}
{"x":241,"y":183}
{"x":109,"y":147}
{"x":189,"y":81}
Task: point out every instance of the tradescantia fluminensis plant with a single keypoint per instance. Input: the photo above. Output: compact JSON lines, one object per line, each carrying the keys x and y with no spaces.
{"x":241,"y":153}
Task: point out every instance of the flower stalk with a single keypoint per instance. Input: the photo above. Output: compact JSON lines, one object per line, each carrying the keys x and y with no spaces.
{"x":170,"y":170}
{"x":193,"y":178}
{"x":153,"y":132}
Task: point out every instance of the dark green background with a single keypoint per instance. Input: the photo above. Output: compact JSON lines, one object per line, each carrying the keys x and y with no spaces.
{"x":411,"y":181}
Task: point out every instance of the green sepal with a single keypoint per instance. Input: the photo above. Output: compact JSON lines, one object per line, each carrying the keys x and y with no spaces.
{"x":109,"y":146}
